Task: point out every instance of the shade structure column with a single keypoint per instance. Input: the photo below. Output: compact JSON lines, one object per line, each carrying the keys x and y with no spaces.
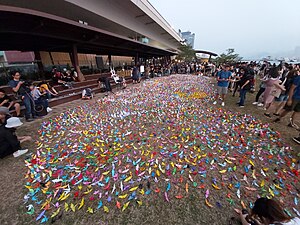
{"x":75,"y":62}
{"x":136,"y":59}
{"x":38,"y":60}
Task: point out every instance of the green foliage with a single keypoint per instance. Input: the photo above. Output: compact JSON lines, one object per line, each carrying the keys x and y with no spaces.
{"x":228,"y":58}
{"x":187,"y":53}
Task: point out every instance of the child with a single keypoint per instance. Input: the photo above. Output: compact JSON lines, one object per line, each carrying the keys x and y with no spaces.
{"x":38,"y":99}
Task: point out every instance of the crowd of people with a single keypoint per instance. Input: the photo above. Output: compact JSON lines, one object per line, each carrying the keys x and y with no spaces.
{"x":278,"y":93}
{"x":278,"y":90}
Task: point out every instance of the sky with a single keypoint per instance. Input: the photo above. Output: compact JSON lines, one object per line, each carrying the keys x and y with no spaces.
{"x":251,"y":27}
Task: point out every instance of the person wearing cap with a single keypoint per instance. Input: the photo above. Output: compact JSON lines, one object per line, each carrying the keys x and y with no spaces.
{"x":10,"y":143}
{"x":4,"y":115}
{"x":223,"y":82}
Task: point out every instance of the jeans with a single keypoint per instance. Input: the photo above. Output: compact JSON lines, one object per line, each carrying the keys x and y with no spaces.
{"x":107,"y":84}
{"x":237,"y":85}
{"x":48,"y":95}
{"x":29,"y":106}
{"x":243,"y":93}
{"x":42,"y":101}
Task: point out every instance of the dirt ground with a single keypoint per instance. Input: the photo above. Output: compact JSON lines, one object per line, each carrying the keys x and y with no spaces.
{"x":154,"y":210}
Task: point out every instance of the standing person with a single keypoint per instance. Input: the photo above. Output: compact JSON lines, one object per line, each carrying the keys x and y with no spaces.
{"x":262,"y":87}
{"x":237,"y":81}
{"x":272,"y":83}
{"x":147,"y":72}
{"x":293,"y":103}
{"x":135,"y":74}
{"x":223,"y":82}
{"x":10,"y":143}
{"x":18,"y":87}
{"x":282,"y":99}
{"x":245,"y":82}
{"x":7,"y":102}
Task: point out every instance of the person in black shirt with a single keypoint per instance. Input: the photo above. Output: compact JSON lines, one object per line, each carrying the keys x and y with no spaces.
{"x":10,"y":143}
{"x":7,"y":102}
{"x":245,"y":82}
{"x":106,"y":82}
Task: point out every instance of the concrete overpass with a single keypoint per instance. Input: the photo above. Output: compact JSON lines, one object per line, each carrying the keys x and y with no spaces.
{"x":103,"y":27}
{"x":122,"y":27}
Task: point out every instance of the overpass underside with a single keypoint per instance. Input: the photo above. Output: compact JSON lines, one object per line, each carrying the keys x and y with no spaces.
{"x":22,"y":30}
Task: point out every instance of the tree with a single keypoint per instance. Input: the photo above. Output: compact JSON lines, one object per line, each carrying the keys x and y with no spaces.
{"x":187,"y":53}
{"x":228,"y":58}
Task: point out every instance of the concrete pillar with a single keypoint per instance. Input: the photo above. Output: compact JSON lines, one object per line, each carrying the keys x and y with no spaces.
{"x":136,"y":59}
{"x":38,"y":59}
{"x":75,"y":62}
{"x":51,"y":57}
{"x":109,"y":61}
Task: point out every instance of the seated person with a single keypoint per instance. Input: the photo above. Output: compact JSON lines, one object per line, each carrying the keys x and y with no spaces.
{"x":69,"y":79}
{"x":106,"y":82}
{"x":57,"y":77}
{"x":10,"y":143}
{"x":39,"y":98}
{"x":7,"y":102}
{"x":87,"y":93}
{"x":21,"y":88}
{"x":47,"y":89}
{"x":74,"y":74}
{"x":117,"y":79}
{"x":267,"y":211}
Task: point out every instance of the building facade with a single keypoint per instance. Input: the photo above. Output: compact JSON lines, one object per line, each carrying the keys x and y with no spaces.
{"x":188,"y":37}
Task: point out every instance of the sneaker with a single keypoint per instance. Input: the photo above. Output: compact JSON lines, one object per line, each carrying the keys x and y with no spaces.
{"x":215,"y":102}
{"x":223,"y":104}
{"x":268,"y":115}
{"x":20,"y":152}
{"x":297,"y":140}
{"x":242,"y":106}
{"x":260,"y":105}
{"x":292,"y":124}
{"x":254,"y":103}
{"x":49,"y":109}
{"x":276,"y":120}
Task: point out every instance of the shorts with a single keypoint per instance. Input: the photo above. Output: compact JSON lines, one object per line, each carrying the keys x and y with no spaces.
{"x":294,"y":107}
{"x":282,"y":98}
{"x":222,"y":90}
